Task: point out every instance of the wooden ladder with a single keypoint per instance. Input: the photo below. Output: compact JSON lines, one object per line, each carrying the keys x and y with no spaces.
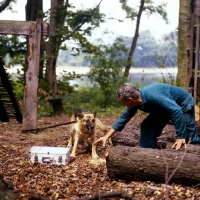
{"x":9,"y":105}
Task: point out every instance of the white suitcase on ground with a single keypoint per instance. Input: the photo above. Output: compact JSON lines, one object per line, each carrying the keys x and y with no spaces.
{"x":51,"y":155}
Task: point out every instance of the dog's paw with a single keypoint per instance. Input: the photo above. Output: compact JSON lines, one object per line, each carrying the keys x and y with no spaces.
{"x":95,"y":156}
{"x":73,"y":155}
{"x":69,"y":145}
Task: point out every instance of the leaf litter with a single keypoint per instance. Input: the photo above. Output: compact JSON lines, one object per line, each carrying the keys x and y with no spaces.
{"x":83,"y":176}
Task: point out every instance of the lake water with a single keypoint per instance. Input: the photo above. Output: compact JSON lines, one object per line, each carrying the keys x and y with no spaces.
{"x":136,"y":75}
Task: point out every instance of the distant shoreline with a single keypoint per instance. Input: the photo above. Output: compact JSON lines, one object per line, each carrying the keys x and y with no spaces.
{"x":139,"y":75}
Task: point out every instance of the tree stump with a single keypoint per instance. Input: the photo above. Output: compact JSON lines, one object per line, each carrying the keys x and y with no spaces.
{"x":143,"y":164}
{"x":6,"y":190}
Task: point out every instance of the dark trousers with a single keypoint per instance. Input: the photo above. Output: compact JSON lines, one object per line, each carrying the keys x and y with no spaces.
{"x":153,"y":124}
{"x":151,"y":128}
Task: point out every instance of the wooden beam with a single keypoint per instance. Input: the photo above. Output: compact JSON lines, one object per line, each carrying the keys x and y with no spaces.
{"x":190,"y":72}
{"x":196,"y":63}
{"x":32,"y":79}
{"x":13,"y":27}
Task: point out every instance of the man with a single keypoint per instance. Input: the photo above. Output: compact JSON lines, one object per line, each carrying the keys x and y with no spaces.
{"x":163,"y":102}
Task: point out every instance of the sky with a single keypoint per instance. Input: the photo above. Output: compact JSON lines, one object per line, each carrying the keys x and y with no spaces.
{"x":113,"y":28}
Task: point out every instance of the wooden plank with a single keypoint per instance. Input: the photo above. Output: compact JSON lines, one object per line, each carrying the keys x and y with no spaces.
{"x":196,"y":63}
{"x":13,"y":27}
{"x":191,"y":88}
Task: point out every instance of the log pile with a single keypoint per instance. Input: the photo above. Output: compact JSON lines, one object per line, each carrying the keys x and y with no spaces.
{"x":127,"y":161}
{"x":130,"y":136}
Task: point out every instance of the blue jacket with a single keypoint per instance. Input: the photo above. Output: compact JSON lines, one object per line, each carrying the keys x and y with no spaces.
{"x":161,"y":98}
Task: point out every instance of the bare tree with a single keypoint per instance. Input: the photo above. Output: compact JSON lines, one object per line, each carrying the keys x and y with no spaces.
{"x":4,"y":5}
{"x":148,"y":7}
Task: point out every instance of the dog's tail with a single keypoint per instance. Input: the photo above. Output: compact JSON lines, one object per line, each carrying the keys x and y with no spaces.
{"x":100,"y":125}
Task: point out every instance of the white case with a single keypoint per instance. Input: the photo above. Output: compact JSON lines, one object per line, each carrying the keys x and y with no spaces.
{"x":51,"y":155}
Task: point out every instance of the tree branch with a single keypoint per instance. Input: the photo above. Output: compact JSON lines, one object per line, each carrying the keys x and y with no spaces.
{"x":5,"y":5}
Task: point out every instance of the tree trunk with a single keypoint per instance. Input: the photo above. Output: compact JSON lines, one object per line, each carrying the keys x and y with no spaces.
{"x":160,"y":166}
{"x":4,"y":5}
{"x":185,"y":42}
{"x":52,"y":54}
{"x":134,"y":41}
{"x":34,"y":10}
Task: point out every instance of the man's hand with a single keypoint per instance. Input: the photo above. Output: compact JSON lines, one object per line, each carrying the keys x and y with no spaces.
{"x":178,"y":144}
{"x":106,"y":137}
{"x":103,"y":140}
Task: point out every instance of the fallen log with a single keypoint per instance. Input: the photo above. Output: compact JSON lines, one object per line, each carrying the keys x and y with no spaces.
{"x":36,"y":197}
{"x":191,"y":148}
{"x":130,"y":136}
{"x":159,"y":166}
{"x":109,"y":195}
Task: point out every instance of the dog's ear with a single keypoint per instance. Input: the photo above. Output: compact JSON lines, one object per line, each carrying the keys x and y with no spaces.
{"x":79,"y":115}
{"x":95,"y":113}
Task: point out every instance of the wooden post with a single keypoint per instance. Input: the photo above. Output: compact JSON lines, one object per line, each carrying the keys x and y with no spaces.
{"x":196,"y":62}
{"x":32,"y":78}
{"x":34,"y":31}
{"x":190,"y":70}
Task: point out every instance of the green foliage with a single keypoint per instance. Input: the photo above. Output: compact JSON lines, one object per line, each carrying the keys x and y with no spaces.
{"x":44,"y":108}
{"x":92,"y":17}
{"x":159,"y":9}
{"x":149,"y":8}
{"x":107,"y":69}
{"x":74,"y":25}
{"x":63,"y":83}
{"x":130,"y":12}
{"x":18,"y":88}
{"x":14,"y":47}
{"x":147,"y":46}
{"x":90,"y":97}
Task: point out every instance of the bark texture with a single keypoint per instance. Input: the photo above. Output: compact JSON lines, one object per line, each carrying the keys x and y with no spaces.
{"x":12,"y":27}
{"x":168,"y":166}
{"x":4,"y":5}
{"x":134,"y":41}
{"x":32,"y":79}
{"x":184,"y":43}
{"x":127,"y":161}
{"x":52,"y":49}
{"x":130,"y":136}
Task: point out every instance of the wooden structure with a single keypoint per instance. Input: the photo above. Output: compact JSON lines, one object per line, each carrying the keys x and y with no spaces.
{"x":34,"y":30}
{"x":9,"y":106}
{"x":194,"y":68}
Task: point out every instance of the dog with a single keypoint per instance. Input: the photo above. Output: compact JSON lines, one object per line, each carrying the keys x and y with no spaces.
{"x":84,"y":128}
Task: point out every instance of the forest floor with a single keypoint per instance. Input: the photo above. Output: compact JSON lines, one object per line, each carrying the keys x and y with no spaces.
{"x":83,"y":176}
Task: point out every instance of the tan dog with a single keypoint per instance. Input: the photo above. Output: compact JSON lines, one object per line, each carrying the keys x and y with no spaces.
{"x":84,"y":128}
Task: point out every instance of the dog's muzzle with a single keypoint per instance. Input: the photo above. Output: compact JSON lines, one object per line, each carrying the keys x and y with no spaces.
{"x":90,"y":128}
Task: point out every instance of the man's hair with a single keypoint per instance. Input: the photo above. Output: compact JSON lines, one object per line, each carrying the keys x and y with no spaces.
{"x":126,"y":91}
